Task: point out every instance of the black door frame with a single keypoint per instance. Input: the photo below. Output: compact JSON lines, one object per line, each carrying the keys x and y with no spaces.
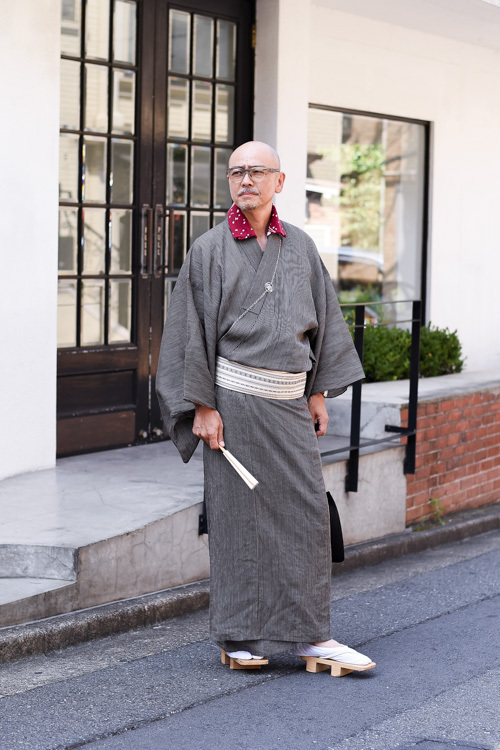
{"x":91,"y":415}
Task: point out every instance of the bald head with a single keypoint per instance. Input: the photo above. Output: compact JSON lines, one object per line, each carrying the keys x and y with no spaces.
{"x":255,"y":153}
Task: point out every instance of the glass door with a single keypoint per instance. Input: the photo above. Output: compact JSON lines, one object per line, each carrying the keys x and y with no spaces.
{"x":154,"y":96}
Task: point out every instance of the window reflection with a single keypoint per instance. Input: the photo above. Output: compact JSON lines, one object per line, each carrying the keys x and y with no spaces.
{"x":120,"y":311}
{"x":70,"y":95}
{"x":178,"y":107}
{"x":94,"y":169}
{"x":120,"y":231}
{"x":226,"y":49}
{"x":94,"y":240}
{"x":122,"y":171}
{"x":68,"y":166}
{"x":176,"y":173}
{"x":200,"y":223}
{"x":96,"y":98}
{"x":66,"y":313}
{"x":124,"y":31}
{"x":68,"y":240}
{"x":364,"y":189}
{"x":178,"y":42}
{"x":92,"y":312}
{"x":203,"y":45}
{"x":71,"y":13}
{"x":123,"y":101}
{"x":97,"y":29}
{"x":201,"y":126}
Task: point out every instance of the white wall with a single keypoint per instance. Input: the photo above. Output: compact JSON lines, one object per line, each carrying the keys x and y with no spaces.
{"x":368,"y":65}
{"x":29,"y":60}
{"x":281,"y":88}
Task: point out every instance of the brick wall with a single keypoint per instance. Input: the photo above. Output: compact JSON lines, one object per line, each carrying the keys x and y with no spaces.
{"x":458,"y":453}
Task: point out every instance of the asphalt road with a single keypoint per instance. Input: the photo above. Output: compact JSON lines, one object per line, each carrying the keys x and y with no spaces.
{"x":431,"y":622}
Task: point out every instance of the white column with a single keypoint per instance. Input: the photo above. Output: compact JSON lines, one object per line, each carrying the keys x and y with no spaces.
{"x":281,"y":94}
{"x":29,"y":58}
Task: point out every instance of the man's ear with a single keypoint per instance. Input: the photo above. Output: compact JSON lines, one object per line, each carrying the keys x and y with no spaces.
{"x":280,"y":182}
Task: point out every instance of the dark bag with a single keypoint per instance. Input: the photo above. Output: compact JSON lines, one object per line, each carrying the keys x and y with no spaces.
{"x":335,"y":531}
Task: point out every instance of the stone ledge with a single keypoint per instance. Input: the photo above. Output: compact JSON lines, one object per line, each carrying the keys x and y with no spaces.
{"x":109,"y":619}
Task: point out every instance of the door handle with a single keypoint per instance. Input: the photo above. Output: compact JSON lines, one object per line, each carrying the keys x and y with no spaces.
{"x":169,"y":240}
{"x":146,"y":261}
{"x":158,"y":262}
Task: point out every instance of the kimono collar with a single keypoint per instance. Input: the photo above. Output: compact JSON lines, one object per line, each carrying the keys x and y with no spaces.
{"x":241,"y":228}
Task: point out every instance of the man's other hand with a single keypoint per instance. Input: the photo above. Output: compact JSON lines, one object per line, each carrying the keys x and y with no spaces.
{"x":208,"y":426}
{"x":319,"y":414}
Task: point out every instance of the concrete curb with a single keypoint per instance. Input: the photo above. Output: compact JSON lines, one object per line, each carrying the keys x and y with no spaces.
{"x":70,"y":629}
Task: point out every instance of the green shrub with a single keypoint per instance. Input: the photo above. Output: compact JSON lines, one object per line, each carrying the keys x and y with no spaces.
{"x":387,"y":353}
{"x":440,"y":352}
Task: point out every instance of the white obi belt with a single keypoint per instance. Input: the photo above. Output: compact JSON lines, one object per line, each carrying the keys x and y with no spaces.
{"x":259,"y":382}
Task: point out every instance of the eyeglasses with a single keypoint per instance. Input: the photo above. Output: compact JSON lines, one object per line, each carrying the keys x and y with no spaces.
{"x":256,"y":174}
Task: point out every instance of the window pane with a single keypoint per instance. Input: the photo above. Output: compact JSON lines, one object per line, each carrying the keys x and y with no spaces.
{"x":178,"y":108}
{"x":200,"y":223}
{"x":120,"y":311}
{"x":122,"y":170}
{"x":97,"y":29}
{"x":66,"y":313}
{"x":218,"y":218}
{"x":222,"y":198}
{"x":203,"y":45}
{"x":364,"y":190}
{"x":178,"y":252}
{"x":71,"y":15}
{"x":92,"y":318}
{"x":70,"y":95}
{"x":226,"y":49}
{"x":68,"y":167}
{"x":169,"y":288}
{"x":94,"y":169}
{"x":202,"y":111}
{"x":96,"y":98}
{"x":68,"y":240}
{"x":178,"y":41}
{"x":94,"y":240}
{"x":120,"y":230}
{"x":176,"y":173}
{"x":224,"y":113}
{"x":124,"y":31}
{"x":123,"y":101}
{"x":200,"y":176}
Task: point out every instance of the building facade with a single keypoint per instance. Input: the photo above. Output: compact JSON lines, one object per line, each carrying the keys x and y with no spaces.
{"x":118,"y":117}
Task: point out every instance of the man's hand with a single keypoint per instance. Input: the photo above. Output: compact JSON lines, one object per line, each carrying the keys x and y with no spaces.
{"x":319,"y":414}
{"x":208,"y":426}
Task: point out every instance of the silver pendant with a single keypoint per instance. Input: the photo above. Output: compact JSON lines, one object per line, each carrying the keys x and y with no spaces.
{"x":268,"y":286}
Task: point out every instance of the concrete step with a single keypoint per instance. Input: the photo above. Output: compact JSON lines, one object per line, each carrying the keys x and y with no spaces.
{"x":20,"y":589}
{"x":99,"y":528}
{"x":38,"y":561}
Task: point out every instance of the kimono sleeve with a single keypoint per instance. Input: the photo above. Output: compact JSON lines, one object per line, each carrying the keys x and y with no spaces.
{"x":337,"y":363}
{"x":184,"y":375}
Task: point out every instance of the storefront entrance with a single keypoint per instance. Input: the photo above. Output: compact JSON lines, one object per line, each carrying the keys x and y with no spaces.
{"x":154,"y":96}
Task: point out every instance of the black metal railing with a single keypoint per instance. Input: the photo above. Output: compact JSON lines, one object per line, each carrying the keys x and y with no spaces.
{"x":410,"y":432}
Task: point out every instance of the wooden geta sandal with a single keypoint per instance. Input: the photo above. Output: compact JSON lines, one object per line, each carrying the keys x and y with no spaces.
{"x":337,"y":668}
{"x":242,"y":663}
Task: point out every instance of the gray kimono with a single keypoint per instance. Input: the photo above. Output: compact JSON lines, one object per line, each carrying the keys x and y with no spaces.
{"x":269,"y":547}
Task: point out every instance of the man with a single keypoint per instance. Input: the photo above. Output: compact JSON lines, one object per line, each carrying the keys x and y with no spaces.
{"x":254,"y":340}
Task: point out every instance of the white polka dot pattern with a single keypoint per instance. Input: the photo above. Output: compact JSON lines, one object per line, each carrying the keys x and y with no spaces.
{"x":241,"y":228}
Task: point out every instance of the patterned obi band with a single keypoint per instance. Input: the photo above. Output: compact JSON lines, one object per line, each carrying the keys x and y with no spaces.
{"x":259,"y":382}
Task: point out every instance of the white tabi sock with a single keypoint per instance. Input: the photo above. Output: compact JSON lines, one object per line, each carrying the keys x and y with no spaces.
{"x":242,"y":655}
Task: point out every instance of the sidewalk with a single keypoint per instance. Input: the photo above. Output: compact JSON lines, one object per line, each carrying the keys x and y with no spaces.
{"x":164,"y":686}
{"x":61,"y":631}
